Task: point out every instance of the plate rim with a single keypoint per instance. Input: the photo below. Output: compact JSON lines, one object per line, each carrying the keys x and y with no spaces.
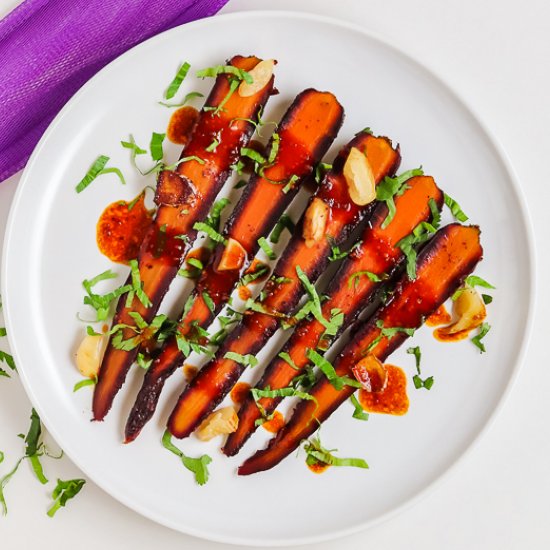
{"x":531,"y":284}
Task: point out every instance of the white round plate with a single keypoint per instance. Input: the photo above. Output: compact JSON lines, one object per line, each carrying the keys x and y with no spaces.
{"x":50,"y":248}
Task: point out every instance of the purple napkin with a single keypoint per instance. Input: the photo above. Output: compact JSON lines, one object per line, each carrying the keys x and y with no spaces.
{"x":50,"y":48}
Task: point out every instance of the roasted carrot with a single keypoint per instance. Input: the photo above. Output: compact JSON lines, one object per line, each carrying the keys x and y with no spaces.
{"x":218,"y":376}
{"x":351,"y":289}
{"x":303,"y":137}
{"x":184,"y":196}
{"x":441,"y":267}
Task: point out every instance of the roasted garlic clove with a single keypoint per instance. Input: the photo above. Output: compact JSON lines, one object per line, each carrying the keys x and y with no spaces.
{"x":222,"y":421}
{"x":359,"y":178}
{"x":370,"y":373}
{"x":469,"y":310}
{"x":89,"y":354}
{"x":315,"y":221}
{"x":261,"y":75}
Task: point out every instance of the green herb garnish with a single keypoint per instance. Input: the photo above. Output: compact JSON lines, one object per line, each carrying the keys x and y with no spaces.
{"x":261,"y":271}
{"x":155,"y":146}
{"x":213,"y":146}
{"x":389,"y":188}
{"x":338,"y":382}
{"x":199,"y":466}
{"x":476,"y":340}
{"x":264,"y":245}
{"x":174,"y":86}
{"x":247,"y":360}
{"x":188,"y":97}
{"x":209,"y":302}
{"x":317,"y":453}
{"x":210,"y":231}
{"x":285,"y":222}
{"x":373,"y":277}
{"x":101,"y":302}
{"x":64,"y":491}
{"x":84,"y":383}
{"x":358,"y":411}
{"x":419,"y":382}
{"x":471,"y":282}
{"x":408,"y":244}
{"x":98,"y":169}
{"x":455,"y":209}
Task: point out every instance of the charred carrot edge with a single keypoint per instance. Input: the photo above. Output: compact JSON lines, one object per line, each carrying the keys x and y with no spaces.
{"x":306,"y":131}
{"x":349,"y":292}
{"x":218,"y":376}
{"x":442,"y":265}
{"x":163,"y":250}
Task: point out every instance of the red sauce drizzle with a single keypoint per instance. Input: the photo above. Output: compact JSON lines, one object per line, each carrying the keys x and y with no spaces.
{"x":275,"y":424}
{"x":120,"y":229}
{"x":244,"y":292}
{"x":392,"y":399}
{"x":318,"y":467}
{"x":442,"y":336}
{"x":439,"y":317}
{"x":181,"y":125}
{"x":240,"y":391}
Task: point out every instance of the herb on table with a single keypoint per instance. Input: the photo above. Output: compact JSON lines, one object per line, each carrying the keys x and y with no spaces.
{"x":63,"y":492}
{"x":389,"y":188}
{"x":84,"y":383}
{"x":198,"y":466}
{"x":155,"y":146}
{"x":97,"y":169}
{"x":188,"y":97}
{"x":316,"y":453}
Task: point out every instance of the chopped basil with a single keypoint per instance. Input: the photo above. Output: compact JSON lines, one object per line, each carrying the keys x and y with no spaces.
{"x":388,"y":332}
{"x":195,"y":262}
{"x":285,"y":222}
{"x":174,"y":86}
{"x":188,"y":97}
{"x":211,"y":232}
{"x":367,"y":130}
{"x":199,"y":466}
{"x":358,"y":411}
{"x":64,"y":491}
{"x":233,"y":85}
{"x":261,"y":271}
{"x":487,"y":299}
{"x":137,"y":285}
{"x":209,"y":302}
{"x":436,"y":214}
{"x":289,"y":391}
{"x":336,"y":254}
{"x":84,"y":383}
{"x":156,"y":146}
{"x":286,"y":357}
{"x":476,"y":340}
{"x":455,"y":209}
{"x":213,"y":219}
{"x":3,"y":332}
{"x":213,"y":146}
{"x":419,"y":382}
{"x":338,"y":382}
{"x":247,"y":360}
{"x":317,"y":453}
{"x":471,"y":282}
{"x":98,"y":169}
{"x":264,"y":245}
{"x":373,"y":277}
{"x":213,"y":72}
{"x":320,"y":170}
{"x":254,"y":155}
{"x":239,"y":184}
{"x":143,"y":362}
{"x":389,"y":188}
{"x":101,"y":302}
{"x":421,"y":233}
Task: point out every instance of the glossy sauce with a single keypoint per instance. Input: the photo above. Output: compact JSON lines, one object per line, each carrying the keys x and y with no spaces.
{"x":392,"y":399}
{"x":439,"y":317}
{"x":189,"y":371}
{"x":120,"y":229}
{"x":318,"y":467}
{"x":181,"y":124}
{"x":442,"y":336}
{"x":240,"y":391}
{"x":275,"y":424}
{"x":244,"y":293}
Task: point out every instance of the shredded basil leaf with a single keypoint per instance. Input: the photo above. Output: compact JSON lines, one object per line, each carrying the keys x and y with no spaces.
{"x":338,"y":382}
{"x":174,"y":86}
{"x":320,"y":171}
{"x":317,"y":453}
{"x":188,"y":97}
{"x":373,"y":277}
{"x":286,"y":357}
{"x":408,"y":244}
{"x":210,"y":231}
{"x":213,"y":146}
{"x":285,"y":222}
{"x":98,"y":169}
{"x":471,"y":282}
{"x":137,"y":285}
{"x":84,"y":383}
{"x":436,"y":214}
{"x":261,"y":270}
{"x":487,"y":298}
{"x":247,"y":360}
{"x":213,"y":219}
{"x":209,"y":302}
{"x":476,"y":340}
{"x":264,"y":245}
{"x":455,"y":209}
{"x":213,"y":72}
{"x":63,"y":492}
{"x":155,"y":146}
{"x":358,"y":411}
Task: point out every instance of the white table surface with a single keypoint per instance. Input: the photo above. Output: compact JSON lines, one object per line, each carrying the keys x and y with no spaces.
{"x":496,"y":54}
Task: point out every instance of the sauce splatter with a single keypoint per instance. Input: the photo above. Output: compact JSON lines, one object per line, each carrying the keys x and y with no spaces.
{"x":121,"y":229}
{"x":392,"y":399}
{"x":439,"y":317}
{"x":317,"y":467}
{"x":441,"y":335}
{"x":240,"y":391}
{"x":244,"y":292}
{"x":181,"y":124}
{"x":275,"y":424}
{"x":189,"y":371}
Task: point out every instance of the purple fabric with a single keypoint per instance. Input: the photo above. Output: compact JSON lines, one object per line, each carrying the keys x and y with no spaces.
{"x":50,"y":48}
